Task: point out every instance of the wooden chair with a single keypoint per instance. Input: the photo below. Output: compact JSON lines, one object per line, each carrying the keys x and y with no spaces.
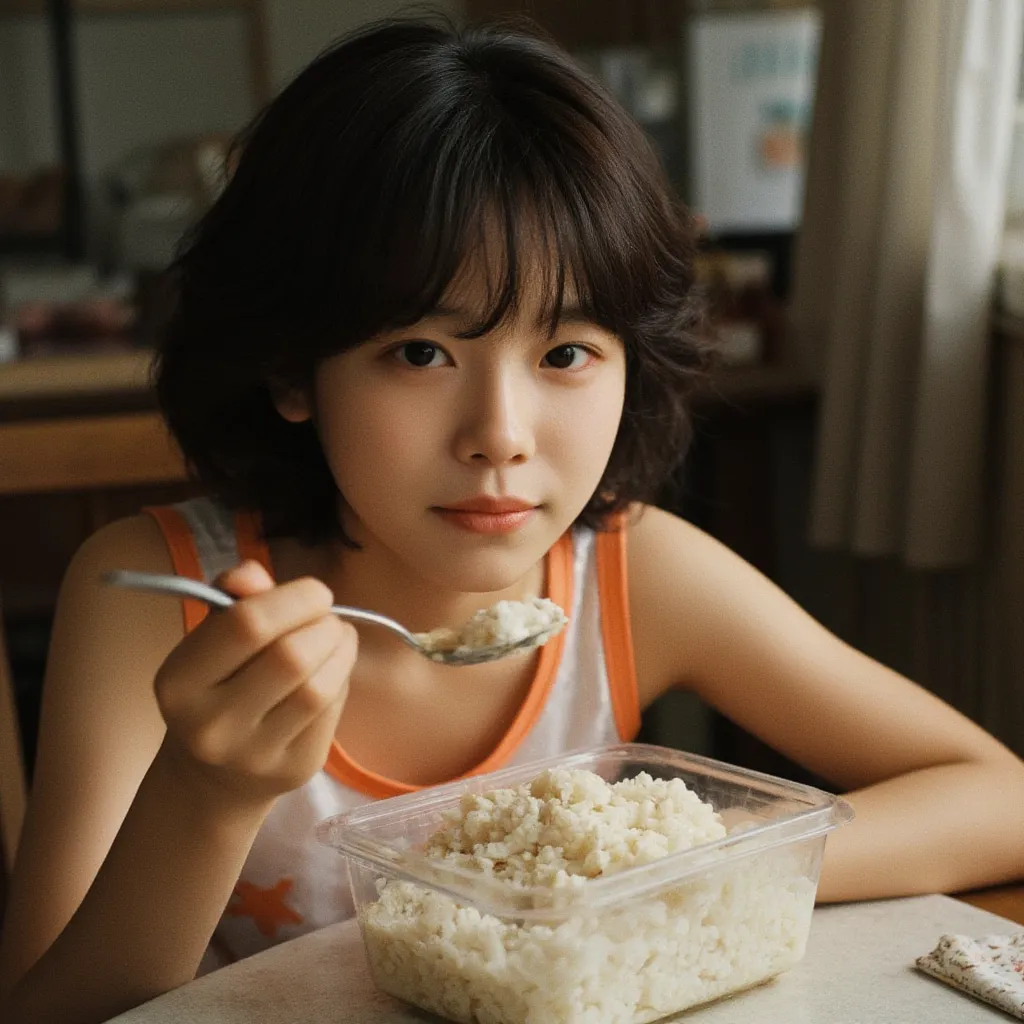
{"x":89,"y":454}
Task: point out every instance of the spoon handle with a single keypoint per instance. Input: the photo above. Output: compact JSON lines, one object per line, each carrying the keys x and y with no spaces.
{"x":182,"y":586}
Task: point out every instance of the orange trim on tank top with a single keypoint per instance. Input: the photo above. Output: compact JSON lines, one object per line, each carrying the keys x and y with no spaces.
{"x":184,"y":557}
{"x":560,"y":585}
{"x":616,"y":632}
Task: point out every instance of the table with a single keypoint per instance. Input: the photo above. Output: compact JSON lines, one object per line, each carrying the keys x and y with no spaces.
{"x":857,"y":970}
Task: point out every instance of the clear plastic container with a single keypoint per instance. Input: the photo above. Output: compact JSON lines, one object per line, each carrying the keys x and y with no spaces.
{"x":630,"y":947}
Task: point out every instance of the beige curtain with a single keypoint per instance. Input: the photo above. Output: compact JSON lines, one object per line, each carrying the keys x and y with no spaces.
{"x":903,"y":218}
{"x":958,"y":631}
{"x":917,"y":492}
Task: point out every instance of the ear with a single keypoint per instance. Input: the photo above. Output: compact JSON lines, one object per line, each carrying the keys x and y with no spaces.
{"x":292,"y":403}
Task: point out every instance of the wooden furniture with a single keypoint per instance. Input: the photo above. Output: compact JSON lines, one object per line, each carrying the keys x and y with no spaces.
{"x":87,"y":453}
{"x":90,"y":414}
{"x":90,"y":380}
{"x":1005,"y":900}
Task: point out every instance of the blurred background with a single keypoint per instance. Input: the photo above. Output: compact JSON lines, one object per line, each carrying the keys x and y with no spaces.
{"x":859,"y":169}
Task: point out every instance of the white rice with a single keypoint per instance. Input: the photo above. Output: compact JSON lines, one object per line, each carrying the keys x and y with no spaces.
{"x":506,"y":622}
{"x":629,"y":963}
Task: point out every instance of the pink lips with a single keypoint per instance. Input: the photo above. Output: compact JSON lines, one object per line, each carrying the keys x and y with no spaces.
{"x":485,"y":514}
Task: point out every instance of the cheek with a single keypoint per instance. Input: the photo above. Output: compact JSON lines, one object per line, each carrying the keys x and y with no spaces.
{"x":371,"y":440}
{"x":363,"y":435}
{"x":584,"y":429}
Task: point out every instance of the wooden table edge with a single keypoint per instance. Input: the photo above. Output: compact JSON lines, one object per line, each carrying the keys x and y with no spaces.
{"x":1005,"y":900}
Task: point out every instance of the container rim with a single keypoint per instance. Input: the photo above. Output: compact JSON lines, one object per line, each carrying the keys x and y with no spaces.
{"x":346,"y":834}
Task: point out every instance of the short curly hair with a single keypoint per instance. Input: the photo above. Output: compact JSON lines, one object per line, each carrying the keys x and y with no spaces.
{"x":357,"y":196}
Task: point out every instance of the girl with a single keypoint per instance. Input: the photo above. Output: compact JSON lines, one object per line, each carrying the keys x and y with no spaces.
{"x":432,"y":348}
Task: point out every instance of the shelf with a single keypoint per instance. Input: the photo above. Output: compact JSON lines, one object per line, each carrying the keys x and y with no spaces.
{"x":88,"y":453}
{"x":85,"y":7}
{"x":88,"y":375}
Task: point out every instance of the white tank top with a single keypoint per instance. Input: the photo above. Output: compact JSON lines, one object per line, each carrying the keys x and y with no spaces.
{"x":584,"y":693}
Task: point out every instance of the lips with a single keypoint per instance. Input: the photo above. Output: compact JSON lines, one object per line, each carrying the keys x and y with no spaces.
{"x":491,"y":506}
{"x":485,"y":514}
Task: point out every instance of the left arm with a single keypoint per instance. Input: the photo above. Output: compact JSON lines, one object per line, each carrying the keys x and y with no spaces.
{"x":939,"y":802}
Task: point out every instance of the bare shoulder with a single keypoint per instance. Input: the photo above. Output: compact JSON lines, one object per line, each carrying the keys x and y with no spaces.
{"x":655,"y":535}
{"x":89,"y":612}
{"x":100,"y":728}
{"x":700,"y":612}
{"x":673,"y":569}
{"x":135,"y":539}
{"x":103,"y":636}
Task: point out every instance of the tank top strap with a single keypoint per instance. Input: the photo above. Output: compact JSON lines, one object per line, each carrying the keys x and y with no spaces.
{"x":205,"y":539}
{"x":616,"y":631}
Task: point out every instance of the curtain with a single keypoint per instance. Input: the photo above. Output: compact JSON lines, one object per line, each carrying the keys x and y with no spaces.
{"x":903,"y":220}
{"x":915,"y":489}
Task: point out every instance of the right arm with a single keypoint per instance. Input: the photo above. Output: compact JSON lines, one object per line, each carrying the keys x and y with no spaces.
{"x":158,"y":759}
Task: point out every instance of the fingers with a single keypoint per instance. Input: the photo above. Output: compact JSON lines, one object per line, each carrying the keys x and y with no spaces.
{"x":320,"y":699}
{"x":229,"y":639}
{"x":245,"y":580}
{"x":302,"y":660}
{"x":253,"y":695}
{"x":252,"y":718}
{"x":310,"y":744}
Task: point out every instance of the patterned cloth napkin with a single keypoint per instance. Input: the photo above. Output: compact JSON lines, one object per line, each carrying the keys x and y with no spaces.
{"x":990,"y":968}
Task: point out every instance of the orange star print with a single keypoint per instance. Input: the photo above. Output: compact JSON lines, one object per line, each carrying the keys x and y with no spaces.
{"x":266,"y":907}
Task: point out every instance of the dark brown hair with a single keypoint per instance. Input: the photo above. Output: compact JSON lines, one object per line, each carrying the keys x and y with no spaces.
{"x":359,"y":192}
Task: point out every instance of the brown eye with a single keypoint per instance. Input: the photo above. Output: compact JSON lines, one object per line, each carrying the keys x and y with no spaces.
{"x":567,"y":357}
{"x":420,"y":354}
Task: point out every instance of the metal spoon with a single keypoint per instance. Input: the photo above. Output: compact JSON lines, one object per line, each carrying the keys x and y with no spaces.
{"x":182,"y":586}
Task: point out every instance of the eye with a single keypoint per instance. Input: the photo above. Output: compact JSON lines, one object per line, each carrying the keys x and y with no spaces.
{"x":568,"y":357}
{"x":420,"y":354}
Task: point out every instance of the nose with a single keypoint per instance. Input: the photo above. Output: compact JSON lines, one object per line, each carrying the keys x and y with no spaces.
{"x":495,"y":428}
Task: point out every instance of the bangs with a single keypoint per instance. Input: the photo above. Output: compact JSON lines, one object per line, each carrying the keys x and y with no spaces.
{"x":528,"y":191}
{"x":529,"y":241}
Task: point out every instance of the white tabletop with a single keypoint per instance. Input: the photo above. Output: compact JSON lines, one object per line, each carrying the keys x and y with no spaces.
{"x":857,"y":970}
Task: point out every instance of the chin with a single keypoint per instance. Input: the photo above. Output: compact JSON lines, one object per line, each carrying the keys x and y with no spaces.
{"x":482,"y":572}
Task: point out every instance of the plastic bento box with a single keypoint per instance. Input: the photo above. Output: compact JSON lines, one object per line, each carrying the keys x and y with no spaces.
{"x":629,"y":947}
